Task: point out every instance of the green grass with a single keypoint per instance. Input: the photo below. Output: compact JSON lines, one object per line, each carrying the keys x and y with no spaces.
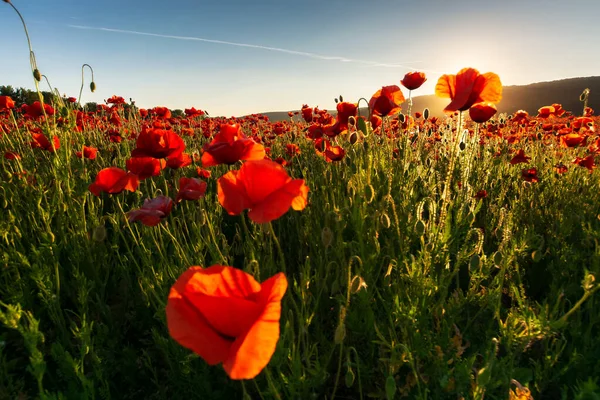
{"x":462,"y":295}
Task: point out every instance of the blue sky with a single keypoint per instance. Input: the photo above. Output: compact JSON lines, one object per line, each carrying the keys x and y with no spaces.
{"x":239,"y":57}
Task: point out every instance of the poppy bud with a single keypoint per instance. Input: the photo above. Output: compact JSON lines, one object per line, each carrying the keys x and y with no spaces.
{"x":498,"y":259}
{"x":357,"y":284}
{"x":340,"y":331}
{"x":349,"y":379}
{"x":341,"y":98}
{"x":462,"y":145}
{"x":351,"y":121}
{"x":475,"y":263}
{"x":584,"y":95}
{"x":93,"y":87}
{"x":336,"y":100}
{"x":401,"y":117}
{"x":37,"y":75}
{"x":588,"y":282}
{"x":420,"y":228}
{"x":426,"y":113}
{"x":353,"y":138}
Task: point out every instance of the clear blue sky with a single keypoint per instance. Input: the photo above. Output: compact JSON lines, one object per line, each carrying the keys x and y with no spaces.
{"x":319,"y":49}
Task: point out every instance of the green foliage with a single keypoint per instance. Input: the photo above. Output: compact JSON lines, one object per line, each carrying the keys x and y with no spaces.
{"x":456,"y":303}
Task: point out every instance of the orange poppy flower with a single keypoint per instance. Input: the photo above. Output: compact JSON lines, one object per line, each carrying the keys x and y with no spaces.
{"x":386,"y":101}
{"x":520,"y":157}
{"x":482,"y":112}
{"x":6,"y":103}
{"x":225,"y":316}
{"x":572,"y":140}
{"x":229,"y":146}
{"x":264,"y":187}
{"x":413,"y":80}
{"x":88,"y":152}
{"x":467,"y":88}
{"x":114,"y":180}
{"x":546,"y":111}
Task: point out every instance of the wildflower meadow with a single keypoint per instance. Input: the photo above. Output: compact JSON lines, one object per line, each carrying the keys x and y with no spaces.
{"x":372,"y":251}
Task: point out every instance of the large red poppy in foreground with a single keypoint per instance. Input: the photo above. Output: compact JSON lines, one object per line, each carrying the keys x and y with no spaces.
{"x":225,"y":316}
{"x":467,"y":88}
{"x":264,"y":187}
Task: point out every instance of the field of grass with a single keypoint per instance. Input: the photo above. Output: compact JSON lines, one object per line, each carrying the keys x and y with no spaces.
{"x":430,"y":262}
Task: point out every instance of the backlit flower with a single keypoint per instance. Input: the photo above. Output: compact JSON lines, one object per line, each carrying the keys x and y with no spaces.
{"x":225,"y":316}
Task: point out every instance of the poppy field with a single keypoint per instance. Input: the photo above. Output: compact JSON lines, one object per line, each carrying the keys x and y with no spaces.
{"x":333,"y":255}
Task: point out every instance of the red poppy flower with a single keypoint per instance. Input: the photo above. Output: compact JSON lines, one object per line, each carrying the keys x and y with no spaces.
{"x":225,"y":316}
{"x":520,"y":117}
{"x":114,"y":180}
{"x":546,"y":111}
{"x":386,"y":101}
{"x":375,"y":121}
{"x":203,"y":173}
{"x":181,"y":161}
{"x":334,"y":153}
{"x":572,"y":140}
{"x":520,"y":157}
{"x":530,"y":175}
{"x":145,"y":167}
{"x":482,"y":112}
{"x":482,"y":194}
{"x":229,"y":146}
{"x":116,"y":100}
{"x":587,"y":162}
{"x":413,"y":80}
{"x":264,"y":187}
{"x":292,"y":149}
{"x":560,"y":168}
{"x":158,"y":143}
{"x":190,"y":189}
{"x":307,"y":113}
{"x":88,"y":152}
{"x":6,"y":103}
{"x":346,"y":110}
{"x":192,"y":112}
{"x":467,"y":88}
{"x":162,"y":112}
{"x":40,"y":141}
{"x":11,"y":155}
{"x":35,"y":110}
{"x":153,"y":211}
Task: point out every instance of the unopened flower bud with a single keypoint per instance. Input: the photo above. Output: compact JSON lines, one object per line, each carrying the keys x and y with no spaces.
{"x":326,"y":237}
{"x":357,"y":284}
{"x":93,"y":87}
{"x":37,"y":75}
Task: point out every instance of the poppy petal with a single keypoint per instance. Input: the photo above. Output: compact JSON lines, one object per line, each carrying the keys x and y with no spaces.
{"x":279,"y":202}
{"x":189,"y":327}
{"x":232,"y":193}
{"x":251,"y":352}
{"x":261,"y":178}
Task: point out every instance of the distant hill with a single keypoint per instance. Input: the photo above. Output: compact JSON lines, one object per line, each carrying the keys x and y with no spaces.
{"x":523,"y":97}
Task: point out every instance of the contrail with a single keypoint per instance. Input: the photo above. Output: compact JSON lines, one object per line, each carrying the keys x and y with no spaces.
{"x":254,"y":46}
